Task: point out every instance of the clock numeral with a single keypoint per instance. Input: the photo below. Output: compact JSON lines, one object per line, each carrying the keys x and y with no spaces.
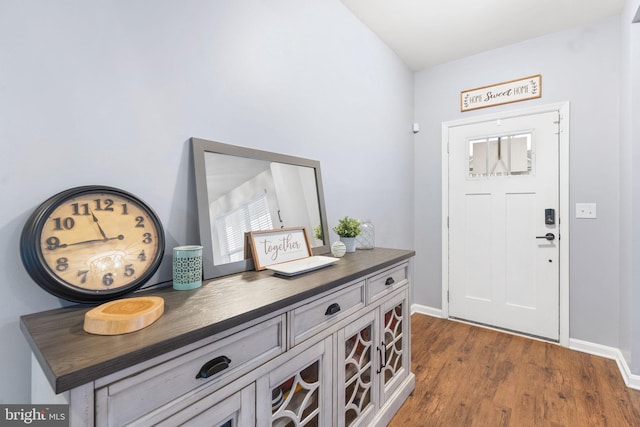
{"x":67,"y":223}
{"x":147,"y":238}
{"x":53,"y":243}
{"x":82,"y":209}
{"x":129,"y":271}
{"x":62,"y":264}
{"x":140,"y":222}
{"x":108,"y":205}
{"x":142,"y":257}
{"x":107,"y":279}
{"x":125,"y":209}
{"x":82,"y":274}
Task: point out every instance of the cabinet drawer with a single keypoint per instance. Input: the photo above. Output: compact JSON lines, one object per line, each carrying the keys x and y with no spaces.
{"x":222,"y":361}
{"x":379,"y":285}
{"x":204,"y":408}
{"x":317,"y":315}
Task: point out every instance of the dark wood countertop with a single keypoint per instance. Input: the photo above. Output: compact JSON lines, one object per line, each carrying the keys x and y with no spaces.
{"x":70,"y":357}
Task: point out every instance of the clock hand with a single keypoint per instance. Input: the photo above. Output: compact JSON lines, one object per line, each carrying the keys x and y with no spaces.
{"x":95,"y":219}
{"x":64,"y":245}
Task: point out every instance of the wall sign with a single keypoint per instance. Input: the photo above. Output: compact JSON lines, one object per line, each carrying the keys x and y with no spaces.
{"x":501,"y":93}
{"x":270,"y":247}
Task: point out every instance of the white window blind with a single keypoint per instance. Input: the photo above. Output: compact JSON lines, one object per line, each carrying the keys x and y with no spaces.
{"x":251,"y":216}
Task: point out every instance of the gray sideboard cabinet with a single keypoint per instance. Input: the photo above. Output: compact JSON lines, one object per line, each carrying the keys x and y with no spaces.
{"x":327,"y":348}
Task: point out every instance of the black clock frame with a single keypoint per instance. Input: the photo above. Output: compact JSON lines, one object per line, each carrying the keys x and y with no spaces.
{"x":41,"y":273}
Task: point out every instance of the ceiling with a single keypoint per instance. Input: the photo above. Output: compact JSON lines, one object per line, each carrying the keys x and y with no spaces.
{"x":425,"y":33}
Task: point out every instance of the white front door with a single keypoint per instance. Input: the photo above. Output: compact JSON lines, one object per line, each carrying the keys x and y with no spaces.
{"x":503,"y":223}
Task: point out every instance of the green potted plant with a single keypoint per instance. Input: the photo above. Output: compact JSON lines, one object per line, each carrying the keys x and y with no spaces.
{"x":317,"y":233}
{"x":348,"y":229}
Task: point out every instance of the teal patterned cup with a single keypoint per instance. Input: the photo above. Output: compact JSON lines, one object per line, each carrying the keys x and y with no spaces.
{"x":187,"y":267}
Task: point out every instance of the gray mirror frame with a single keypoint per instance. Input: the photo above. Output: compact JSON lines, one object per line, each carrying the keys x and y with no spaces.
{"x":199,"y":148}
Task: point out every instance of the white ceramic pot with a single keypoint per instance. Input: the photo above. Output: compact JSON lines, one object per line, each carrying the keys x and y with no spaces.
{"x":349,"y":242}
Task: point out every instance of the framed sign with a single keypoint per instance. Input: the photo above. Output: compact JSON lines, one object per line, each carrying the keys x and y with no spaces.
{"x":501,"y":93}
{"x":270,"y":247}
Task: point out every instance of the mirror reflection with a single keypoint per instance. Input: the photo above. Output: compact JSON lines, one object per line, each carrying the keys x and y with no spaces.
{"x":249,"y":194}
{"x":241,"y":190}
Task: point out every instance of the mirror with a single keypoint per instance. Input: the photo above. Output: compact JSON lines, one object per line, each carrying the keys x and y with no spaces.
{"x":241,"y":189}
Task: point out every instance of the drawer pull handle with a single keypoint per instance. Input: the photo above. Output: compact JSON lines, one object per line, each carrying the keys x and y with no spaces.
{"x":389,"y":281}
{"x":332,"y":309}
{"x":213,"y":366}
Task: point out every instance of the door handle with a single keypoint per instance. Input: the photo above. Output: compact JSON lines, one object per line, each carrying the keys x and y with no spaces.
{"x":382,"y":350}
{"x":548,"y":236}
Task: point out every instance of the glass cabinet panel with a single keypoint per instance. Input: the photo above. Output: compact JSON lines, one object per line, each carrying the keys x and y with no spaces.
{"x":298,"y":392}
{"x":295,"y":401}
{"x":393,"y":336}
{"x":358,"y":365}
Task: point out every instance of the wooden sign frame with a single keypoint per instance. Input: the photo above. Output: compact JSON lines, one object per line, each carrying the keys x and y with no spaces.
{"x":501,"y":93}
{"x":269,"y":247}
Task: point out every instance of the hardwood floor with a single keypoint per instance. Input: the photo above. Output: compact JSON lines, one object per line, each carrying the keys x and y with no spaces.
{"x":472,"y":376}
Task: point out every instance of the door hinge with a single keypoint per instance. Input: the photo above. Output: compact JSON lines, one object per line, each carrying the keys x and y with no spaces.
{"x":447,"y":222}
{"x":558,"y":124}
{"x":447,"y":296}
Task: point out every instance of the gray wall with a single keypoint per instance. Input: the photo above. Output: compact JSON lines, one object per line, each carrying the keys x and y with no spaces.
{"x":109,"y":92}
{"x":582,"y":66}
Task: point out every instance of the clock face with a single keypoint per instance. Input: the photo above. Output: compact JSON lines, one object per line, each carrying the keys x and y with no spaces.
{"x":92,"y":244}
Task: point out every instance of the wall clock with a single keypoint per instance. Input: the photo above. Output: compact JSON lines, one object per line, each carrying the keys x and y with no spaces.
{"x":92,"y":244}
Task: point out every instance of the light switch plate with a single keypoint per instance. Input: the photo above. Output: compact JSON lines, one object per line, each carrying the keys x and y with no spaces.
{"x":586,"y":210}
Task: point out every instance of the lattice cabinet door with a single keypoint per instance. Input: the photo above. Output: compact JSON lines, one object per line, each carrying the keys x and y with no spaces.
{"x":394,"y":343}
{"x":299,"y":392}
{"x":356,"y":376}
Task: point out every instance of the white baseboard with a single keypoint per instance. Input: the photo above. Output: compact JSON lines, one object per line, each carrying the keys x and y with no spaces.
{"x":423,"y":309}
{"x":631,"y":380}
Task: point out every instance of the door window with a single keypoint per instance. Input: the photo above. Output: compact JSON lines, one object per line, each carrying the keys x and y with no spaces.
{"x":500,"y":156}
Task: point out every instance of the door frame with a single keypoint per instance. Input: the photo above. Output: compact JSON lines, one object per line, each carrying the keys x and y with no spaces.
{"x":563,"y":217}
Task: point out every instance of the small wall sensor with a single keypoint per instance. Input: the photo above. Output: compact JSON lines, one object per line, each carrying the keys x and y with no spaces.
{"x":416,"y":128}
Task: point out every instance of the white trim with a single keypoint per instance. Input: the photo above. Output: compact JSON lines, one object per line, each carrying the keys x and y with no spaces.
{"x":445,"y":218}
{"x":426,"y":310}
{"x":563,"y":217}
{"x":631,"y":380}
